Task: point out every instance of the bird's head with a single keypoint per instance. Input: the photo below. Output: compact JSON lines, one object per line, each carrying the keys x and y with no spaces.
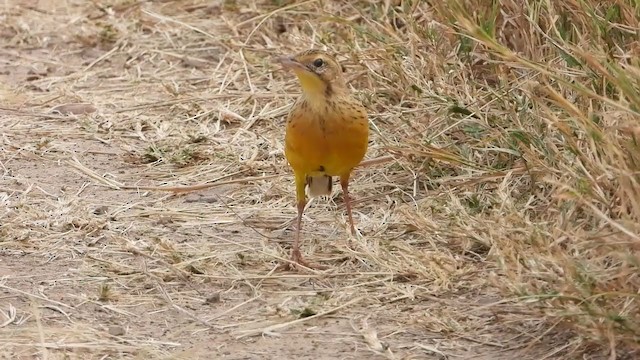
{"x":319,"y":73}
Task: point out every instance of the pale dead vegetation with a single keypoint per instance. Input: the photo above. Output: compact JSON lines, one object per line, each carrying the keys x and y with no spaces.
{"x":505,"y":227}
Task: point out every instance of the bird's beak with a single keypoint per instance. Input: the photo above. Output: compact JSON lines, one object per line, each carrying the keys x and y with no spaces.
{"x":310,"y":81}
{"x":289,"y":63}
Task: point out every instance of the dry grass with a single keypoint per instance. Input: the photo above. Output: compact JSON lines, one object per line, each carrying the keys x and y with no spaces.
{"x":506,"y":227}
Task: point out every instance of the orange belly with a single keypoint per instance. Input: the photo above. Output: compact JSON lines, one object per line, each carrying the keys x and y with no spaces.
{"x":332,"y":144}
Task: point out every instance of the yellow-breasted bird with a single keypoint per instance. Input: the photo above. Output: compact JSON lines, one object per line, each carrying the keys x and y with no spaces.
{"x":327,"y":132}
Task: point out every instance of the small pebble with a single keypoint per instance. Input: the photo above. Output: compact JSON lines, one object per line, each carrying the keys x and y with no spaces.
{"x":116,"y":330}
{"x":213,"y":299}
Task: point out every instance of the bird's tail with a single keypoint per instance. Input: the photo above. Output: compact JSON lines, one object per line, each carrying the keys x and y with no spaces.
{"x":319,"y":185}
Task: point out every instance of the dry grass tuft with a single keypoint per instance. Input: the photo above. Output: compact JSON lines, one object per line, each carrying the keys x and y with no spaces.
{"x":506,"y":227}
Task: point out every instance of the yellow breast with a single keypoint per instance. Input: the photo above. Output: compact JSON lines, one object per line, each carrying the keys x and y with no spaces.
{"x":327,"y":138}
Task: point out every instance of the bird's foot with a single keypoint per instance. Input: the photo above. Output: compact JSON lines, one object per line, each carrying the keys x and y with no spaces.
{"x":350,"y":244}
{"x":352,"y":238}
{"x":297,"y":259}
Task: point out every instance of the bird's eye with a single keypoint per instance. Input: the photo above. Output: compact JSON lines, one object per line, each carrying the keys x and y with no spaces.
{"x":318,"y":62}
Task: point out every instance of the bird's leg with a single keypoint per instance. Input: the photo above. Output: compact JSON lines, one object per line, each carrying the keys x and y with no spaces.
{"x":301,"y":198}
{"x":344,"y":181}
{"x":296,"y":255}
